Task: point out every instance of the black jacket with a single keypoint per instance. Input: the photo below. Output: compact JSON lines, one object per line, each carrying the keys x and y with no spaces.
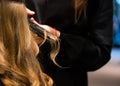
{"x":85,"y":46}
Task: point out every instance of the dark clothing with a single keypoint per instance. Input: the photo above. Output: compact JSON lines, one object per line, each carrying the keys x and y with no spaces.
{"x":85,"y":46}
{"x":1,"y":84}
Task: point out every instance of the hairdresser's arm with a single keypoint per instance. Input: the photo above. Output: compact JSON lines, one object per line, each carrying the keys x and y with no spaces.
{"x":92,"y":51}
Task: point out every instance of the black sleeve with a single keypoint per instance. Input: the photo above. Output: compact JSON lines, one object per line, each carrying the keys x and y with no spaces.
{"x":93,"y":51}
{"x":1,"y":84}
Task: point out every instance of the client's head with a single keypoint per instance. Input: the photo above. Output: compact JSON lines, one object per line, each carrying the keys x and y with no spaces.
{"x":18,"y":49}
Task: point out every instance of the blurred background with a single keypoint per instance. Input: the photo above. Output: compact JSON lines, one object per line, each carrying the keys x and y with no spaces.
{"x":109,"y":75}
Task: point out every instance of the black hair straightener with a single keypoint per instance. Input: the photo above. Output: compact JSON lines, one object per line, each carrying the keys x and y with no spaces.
{"x":36,"y":29}
{"x":39,"y":31}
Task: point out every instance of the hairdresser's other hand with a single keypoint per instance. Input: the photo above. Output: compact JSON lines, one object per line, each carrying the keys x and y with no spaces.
{"x":46,"y":27}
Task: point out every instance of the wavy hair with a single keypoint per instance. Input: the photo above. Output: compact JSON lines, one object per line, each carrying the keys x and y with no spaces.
{"x":18,"y":49}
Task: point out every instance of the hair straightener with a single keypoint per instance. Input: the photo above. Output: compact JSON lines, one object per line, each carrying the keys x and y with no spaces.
{"x":40,"y":31}
{"x":36,"y":29}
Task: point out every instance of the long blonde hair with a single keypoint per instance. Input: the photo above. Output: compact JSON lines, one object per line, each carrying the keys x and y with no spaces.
{"x":18,"y":50}
{"x":80,"y":9}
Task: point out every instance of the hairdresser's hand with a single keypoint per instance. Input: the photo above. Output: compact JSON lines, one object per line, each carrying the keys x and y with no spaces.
{"x":46,"y":27}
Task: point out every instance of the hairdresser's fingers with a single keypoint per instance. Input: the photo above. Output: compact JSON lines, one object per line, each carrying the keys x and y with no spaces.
{"x":46,"y":27}
{"x":51,"y":30}
{"x":30,"y":12}
{"x":34,"y":21}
